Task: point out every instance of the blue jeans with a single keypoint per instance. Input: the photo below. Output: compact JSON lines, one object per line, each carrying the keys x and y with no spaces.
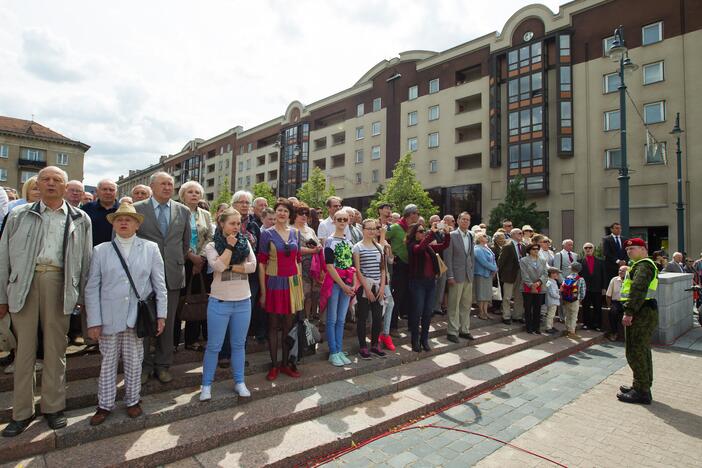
{"x":389,"y":305}
{"x":223,"y":316}
{"x":337,"y":307}
{"x":423,"y":297}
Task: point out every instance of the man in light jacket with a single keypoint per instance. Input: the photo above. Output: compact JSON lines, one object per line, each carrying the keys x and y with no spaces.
{"x":111,"y":304}
{"x":459,"y":276}
{"x":44,"y":257}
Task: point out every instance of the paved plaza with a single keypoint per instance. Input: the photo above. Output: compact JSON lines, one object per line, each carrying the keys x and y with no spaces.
{"x":566,"y":412}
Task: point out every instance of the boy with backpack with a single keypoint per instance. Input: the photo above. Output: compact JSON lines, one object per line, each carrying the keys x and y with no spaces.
{"x":572,"y":294}
{"x":553,"y":298}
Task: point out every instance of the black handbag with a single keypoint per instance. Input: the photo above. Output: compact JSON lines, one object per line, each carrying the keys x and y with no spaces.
{"x":147,"y":321}
{"x":193,"y":307}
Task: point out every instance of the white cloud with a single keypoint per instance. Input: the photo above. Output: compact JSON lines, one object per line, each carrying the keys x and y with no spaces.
{"x":136,"y":80}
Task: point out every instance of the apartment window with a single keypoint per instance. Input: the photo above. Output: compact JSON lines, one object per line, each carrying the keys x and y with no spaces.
{"x":526,"y":155}
{"x":359,"y":110}
{"x":412,"y":144}
{"x":62,"y":159}
{"x":229,"y":147}
{"x":652,"y":73}
{"x":566,"y":114}
{"x":434,"y":140}
{"x":377,"y":103}
{"x":566,"y":144}
{"x":241,"y":150}
{"x":613,"y":158}
{"x":376,"y":176}
{"x":240,"y":182}
{"x":564,"y":45}
{"x":654,"y":112}
{"x":607,"y":45}
{"x":652,"y":33}
{"x":359,"y":178}
{"x":526,"y":121}
{"x":375,"y":128}
{"x":525,"y":87}
{"x":221,"y":149}
{"x":611,"y":82}
{"x":338,"y":161}
{"x":412,"y":93}
{"x":359,"y":133}
{"x":468,"y":161}
{"x":32,"y":154}
{"x":411,"y":118}
{"x":241,"y":166}
{"x":434,"y":113}
{"x":226,"y":164}
{"x":565,"y":78}
{"x":249,"y":148}
{"x":3,"y":175}
{"x":611,"y":120}
{"x":4,"y":151}
{"x":523,"y":56}
{"x":375,"y":152}
{"x":220,"y":165}
{"x":434,"y":86}
{"x":655,"y":153}
{"x":248,"y":164}
{"x":433,"y":166}
{"x":248,"y":180}
{"x":359,"y":156}
{"x":26,"y":175}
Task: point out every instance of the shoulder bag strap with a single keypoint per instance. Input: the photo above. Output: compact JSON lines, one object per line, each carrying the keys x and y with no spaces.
{"x":126,"y":270}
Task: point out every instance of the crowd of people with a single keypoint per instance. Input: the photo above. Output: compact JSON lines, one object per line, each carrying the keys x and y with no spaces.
{"x":74,"y":269}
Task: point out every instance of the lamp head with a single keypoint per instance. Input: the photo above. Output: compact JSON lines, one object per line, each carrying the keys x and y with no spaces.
{"x":676,"y":129}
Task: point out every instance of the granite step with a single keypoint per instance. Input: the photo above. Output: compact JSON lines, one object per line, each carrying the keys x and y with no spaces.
{"x":82,"y":392}
{"x":381,"y":376}
{"x":294,"y":427}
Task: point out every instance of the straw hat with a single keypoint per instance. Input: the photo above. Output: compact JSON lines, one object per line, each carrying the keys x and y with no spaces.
{"x":125,"y":209}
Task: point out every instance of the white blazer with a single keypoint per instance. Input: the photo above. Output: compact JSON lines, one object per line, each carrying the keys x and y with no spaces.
{"x":110,"y":301}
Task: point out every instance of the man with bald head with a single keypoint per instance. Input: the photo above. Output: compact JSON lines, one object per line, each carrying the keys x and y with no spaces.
{"x":98,"y":210}
{"x":44,"y":255}
{"x":74,"y":193}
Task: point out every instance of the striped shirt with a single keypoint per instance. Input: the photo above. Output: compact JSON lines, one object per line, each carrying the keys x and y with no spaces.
{"x":369,"y":258}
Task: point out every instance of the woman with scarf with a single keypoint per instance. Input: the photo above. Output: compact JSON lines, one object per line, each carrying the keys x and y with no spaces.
{"x":229,"y":308}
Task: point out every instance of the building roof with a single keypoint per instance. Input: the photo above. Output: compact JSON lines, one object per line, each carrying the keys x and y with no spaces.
{"x":31,"y":129}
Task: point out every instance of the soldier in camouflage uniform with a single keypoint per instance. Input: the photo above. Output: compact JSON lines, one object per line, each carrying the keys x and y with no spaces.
{"x":640,"y":319}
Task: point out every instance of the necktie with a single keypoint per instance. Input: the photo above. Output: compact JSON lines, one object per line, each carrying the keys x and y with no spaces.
{"x":570,"y":257}
{"x":163,"y":219}
{"x":519,"y":246}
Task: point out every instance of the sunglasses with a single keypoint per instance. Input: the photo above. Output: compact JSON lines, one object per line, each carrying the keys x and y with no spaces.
{"x":588,"y":248}
{"x":343,"y":220}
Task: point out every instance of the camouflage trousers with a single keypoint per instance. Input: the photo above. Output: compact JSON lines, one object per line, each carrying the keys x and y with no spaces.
{"x":638,"y":346}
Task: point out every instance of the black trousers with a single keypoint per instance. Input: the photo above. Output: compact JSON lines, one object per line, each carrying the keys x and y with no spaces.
{"x":400,"y":293}
{"x":194,"y":328}
{"x":615,"y":316}
{"x":592,"y":309}
{"x":363,"y":308}
{"x":532,"y":310}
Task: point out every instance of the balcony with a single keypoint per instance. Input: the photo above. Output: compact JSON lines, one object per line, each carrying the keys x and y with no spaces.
{"x":31,"y":163}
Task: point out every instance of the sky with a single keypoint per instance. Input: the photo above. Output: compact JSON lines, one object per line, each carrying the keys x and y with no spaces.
{"x":139,"y":79}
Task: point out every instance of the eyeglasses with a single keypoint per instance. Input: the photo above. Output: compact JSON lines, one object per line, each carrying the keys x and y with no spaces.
{"x":342,"y":220}
{"x":421,"y":231}
{"x":370,"y":228}
{"x":588,"y":248}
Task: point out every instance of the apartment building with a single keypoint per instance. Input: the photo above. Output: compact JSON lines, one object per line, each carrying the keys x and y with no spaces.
{"x":27,"y":146}
{"x":538,"y":99}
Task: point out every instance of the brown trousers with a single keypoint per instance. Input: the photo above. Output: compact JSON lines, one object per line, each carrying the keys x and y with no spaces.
{"x":44,"y":303}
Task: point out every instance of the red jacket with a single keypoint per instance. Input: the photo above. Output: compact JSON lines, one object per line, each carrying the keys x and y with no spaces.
{"x":423,"y":263}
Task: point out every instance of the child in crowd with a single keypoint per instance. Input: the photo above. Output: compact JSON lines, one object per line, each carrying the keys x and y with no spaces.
{"x":553,"y":298}
{"x":572,"y":294}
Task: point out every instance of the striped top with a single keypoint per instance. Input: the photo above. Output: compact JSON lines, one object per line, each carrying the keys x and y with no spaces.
{"x":369,"y":259}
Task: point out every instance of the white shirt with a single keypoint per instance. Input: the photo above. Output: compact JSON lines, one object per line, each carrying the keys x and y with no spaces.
{"x":53,"y":223}
{"x":465,"y":237}
{"x":125,"y":245}
{"x":327,"y":228}
{"x":614,"y":290}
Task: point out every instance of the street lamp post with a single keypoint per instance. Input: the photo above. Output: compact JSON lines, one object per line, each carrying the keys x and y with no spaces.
{"x":619,"y":53}
{"x":679,"y":205}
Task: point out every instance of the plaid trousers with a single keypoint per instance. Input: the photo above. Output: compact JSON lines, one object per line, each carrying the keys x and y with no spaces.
{"x":130,"y":347}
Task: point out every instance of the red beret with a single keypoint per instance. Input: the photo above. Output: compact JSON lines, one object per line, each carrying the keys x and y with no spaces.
{"x":635,"y":242}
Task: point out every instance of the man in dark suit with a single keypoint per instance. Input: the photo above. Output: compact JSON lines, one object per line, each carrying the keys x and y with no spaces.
{"x":596,"y":283}
{"x":613,"y":251}
{"x":510,"y":274}
{"x":167,"y":223}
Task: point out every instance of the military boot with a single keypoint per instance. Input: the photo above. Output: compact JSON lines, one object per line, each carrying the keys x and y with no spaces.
{"x":635,"y":396}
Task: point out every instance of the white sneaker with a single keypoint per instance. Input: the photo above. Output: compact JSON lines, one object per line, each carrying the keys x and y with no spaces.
{"x":10,"y":369}
{"x":241,"y":389}
{"x":206,"y":393}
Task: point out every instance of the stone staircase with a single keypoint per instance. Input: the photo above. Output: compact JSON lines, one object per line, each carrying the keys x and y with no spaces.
{"x":286,"y":422}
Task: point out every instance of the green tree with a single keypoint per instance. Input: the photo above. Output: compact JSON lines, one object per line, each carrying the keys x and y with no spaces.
{"x":262,"y":189}
{"x":315,"y":191}
{"x":225,"y":196}
{"x":402,"y":189}
{"x":515,"y":207}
